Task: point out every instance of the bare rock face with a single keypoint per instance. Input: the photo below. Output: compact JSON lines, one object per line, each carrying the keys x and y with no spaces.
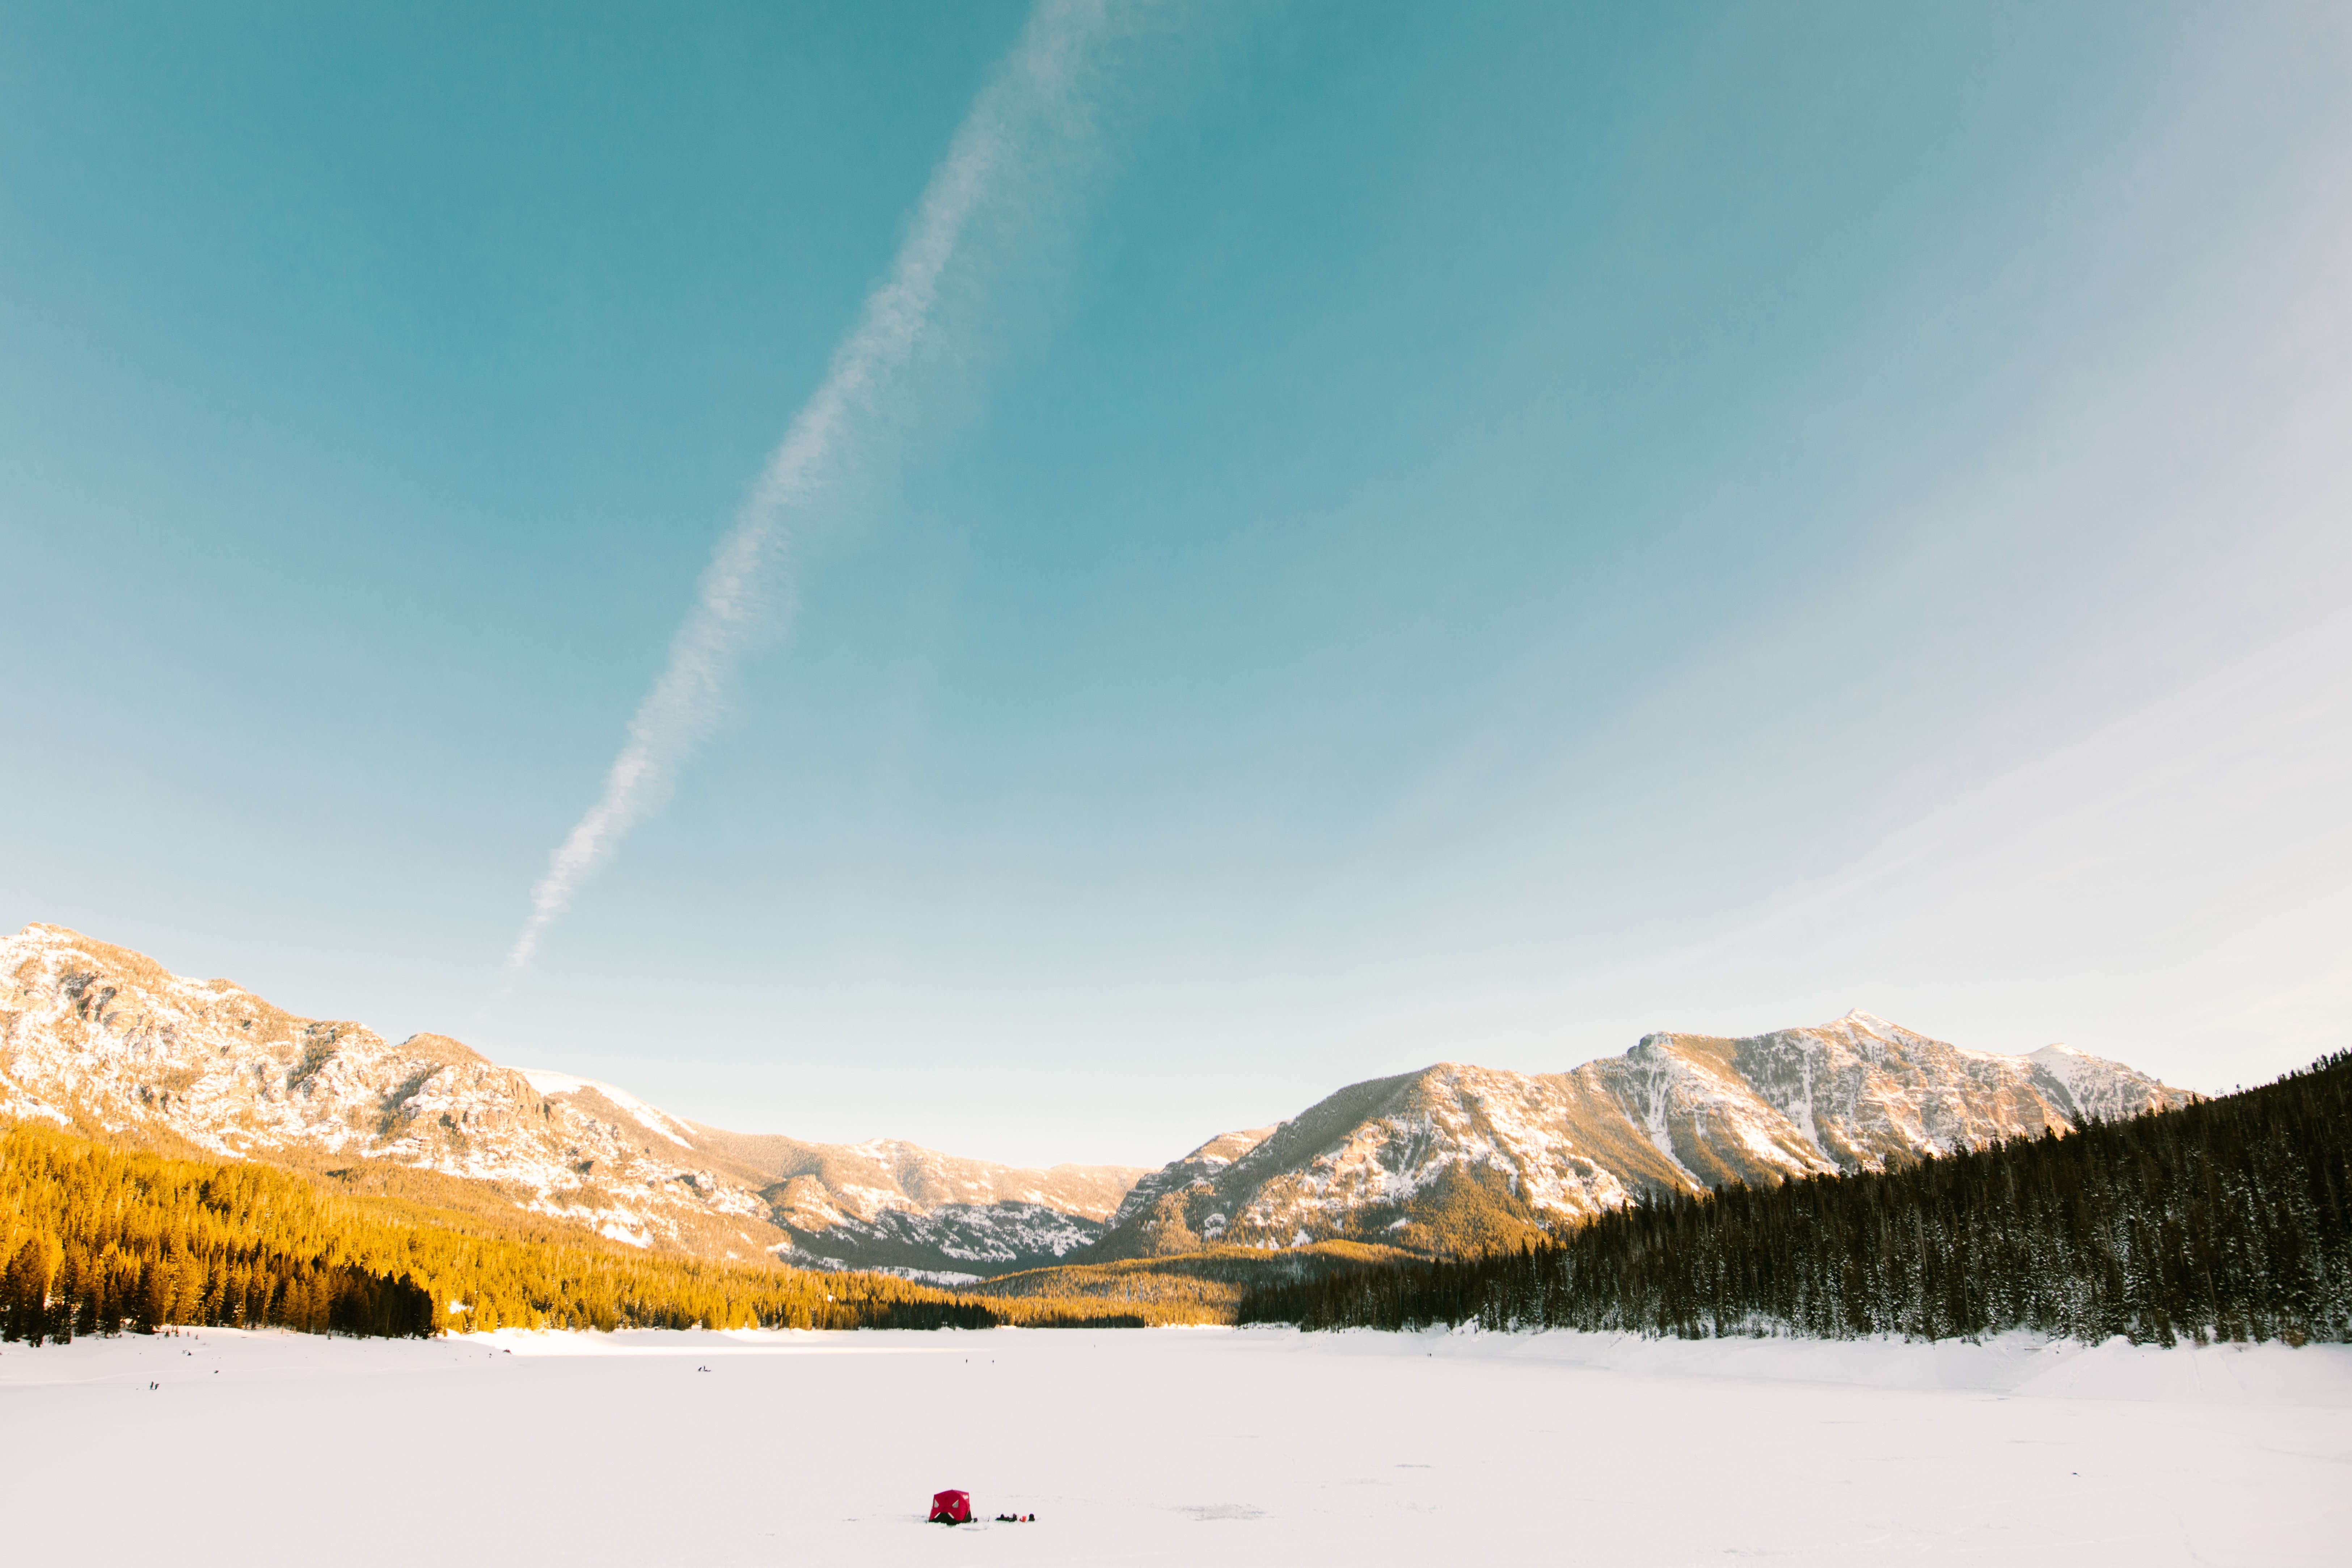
{"x":1457,"y":1156}
{"x":96,"y":1035}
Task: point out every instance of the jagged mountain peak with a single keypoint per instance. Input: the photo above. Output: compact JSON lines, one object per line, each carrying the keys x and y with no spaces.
{"x":1456,"y":1155}
{"x":1856,"y":1027}
{"x":1449,"y":1156}
{"x":98,"y":1034}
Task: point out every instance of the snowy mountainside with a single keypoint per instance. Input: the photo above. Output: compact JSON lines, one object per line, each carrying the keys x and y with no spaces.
{"x":1452,"y":1157}
{"x":1458,"y":1156}
{"x":887,"y":1204}
{"x":952,"y":1244}
{"x":1156,"y":1207}
{"x":99,"y":1034}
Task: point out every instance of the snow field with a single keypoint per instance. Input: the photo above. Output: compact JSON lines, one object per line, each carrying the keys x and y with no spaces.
{"x":1170,"y":1447}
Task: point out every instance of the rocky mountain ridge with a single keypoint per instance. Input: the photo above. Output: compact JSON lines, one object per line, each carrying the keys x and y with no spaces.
{"x":1458,"y":1156}
{"x":1452,"y":1157}
{"x":90,"y":1032}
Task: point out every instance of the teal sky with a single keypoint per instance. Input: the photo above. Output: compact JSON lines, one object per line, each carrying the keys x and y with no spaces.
{"x":1432,"y":533}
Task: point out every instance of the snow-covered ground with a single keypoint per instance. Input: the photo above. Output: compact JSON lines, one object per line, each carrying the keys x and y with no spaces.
{"x":1176,"y":1446}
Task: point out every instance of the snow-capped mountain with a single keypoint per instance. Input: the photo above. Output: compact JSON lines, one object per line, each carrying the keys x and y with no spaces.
{"x":1459,"y":1156}
{"x":99,"y":1034}
{"x":1448,"y":1158}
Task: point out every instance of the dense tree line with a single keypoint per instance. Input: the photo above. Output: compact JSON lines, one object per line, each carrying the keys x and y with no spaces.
{"x":1203,"y":1287}
{"x":2230,"y":1218}
{"x":94,"y":1240}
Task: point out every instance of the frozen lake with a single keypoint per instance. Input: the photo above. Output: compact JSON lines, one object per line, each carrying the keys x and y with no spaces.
{"x":1174,"y":1447}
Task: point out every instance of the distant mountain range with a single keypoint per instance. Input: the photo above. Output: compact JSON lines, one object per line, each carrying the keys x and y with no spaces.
{"x":1449,"y":1158}
{"x":99,"y":1034}
{"x":1455,"y":1157}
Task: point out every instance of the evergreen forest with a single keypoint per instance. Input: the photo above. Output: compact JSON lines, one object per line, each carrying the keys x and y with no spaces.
{"x":2224,"y":1219}
{"x":95,"y":1239}
{"x":2231,"y":1218}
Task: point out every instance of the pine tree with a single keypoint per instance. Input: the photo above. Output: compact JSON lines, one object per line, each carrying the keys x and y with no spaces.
{"x":2226,"y":1219}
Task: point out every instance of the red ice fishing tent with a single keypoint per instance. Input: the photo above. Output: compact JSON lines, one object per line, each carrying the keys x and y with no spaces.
{"x":951,"y":1508}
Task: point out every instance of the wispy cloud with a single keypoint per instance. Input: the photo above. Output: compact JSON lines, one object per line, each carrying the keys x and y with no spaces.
{"x":1029,"y":127}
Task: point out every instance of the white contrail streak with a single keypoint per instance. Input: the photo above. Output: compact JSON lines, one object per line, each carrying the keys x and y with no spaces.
{"x":1029,"y":113}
